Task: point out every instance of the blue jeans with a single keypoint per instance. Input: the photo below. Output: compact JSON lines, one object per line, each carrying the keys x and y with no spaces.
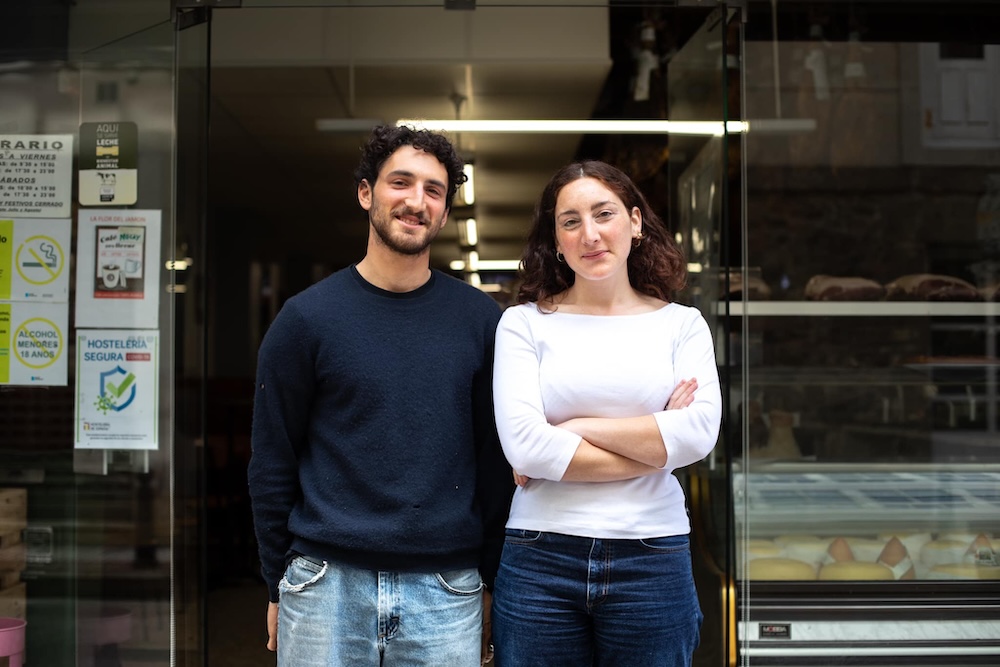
{"x":572,"y":601}
{"x":331,"y":615}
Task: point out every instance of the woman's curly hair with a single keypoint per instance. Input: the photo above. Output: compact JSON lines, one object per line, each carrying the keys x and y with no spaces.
{"x":656,"y":267}
{"x":386,"y":140}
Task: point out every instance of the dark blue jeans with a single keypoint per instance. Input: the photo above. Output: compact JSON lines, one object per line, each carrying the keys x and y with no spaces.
{"x":575,"y":601}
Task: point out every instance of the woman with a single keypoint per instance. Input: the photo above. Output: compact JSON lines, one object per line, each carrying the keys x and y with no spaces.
{"x":602,"y":387}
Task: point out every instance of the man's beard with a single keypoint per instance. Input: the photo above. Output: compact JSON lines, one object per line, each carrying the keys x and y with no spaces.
{"x":397,"y":240}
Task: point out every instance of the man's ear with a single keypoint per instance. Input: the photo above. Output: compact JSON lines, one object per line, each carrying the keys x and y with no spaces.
{"x":365,"y":194}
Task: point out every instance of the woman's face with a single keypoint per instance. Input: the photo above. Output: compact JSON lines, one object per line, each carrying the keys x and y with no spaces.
{"x":594,"y":229}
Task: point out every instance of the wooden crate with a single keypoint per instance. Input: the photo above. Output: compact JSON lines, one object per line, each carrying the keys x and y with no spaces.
{"x":9,"y":538}
{"x":9,"y":578}
{"x":12,"y":557}
{"x":13,"y":510}
{"x":12,"y":603}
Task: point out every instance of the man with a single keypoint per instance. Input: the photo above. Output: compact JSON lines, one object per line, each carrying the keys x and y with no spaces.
{"x":378,"y":485}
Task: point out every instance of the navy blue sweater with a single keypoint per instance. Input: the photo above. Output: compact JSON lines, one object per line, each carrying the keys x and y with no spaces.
{"x":374,"y":443}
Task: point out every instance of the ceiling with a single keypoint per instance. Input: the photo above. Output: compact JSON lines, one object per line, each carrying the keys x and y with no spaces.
{"x":269,"y":156}
{"x":268,"y":89}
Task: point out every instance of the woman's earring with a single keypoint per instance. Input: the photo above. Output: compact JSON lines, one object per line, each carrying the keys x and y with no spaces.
{"x":637,"y":239}
{"x":560,"y":257}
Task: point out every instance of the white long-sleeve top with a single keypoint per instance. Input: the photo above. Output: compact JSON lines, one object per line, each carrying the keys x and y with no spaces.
{"x":550,"y":367}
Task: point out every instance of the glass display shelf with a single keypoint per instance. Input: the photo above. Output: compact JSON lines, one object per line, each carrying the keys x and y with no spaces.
{"x":807,"y":521}
{"x":860,"y":309}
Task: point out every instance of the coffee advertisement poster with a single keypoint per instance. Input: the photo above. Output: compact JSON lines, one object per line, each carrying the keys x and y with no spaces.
{"x":120,"y":262}
{"x":118,"y":269}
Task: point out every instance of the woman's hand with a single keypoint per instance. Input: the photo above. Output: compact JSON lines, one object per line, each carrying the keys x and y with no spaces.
{"x":683,"y":395}
{"x":520,"y":479}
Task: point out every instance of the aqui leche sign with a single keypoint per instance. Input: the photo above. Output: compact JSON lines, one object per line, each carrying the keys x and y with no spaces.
{"x":109,"y":157}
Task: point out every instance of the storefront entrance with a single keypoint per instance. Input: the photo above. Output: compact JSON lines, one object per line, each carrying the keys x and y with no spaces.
{"x":172,"y":171}
{"x":203,"y":176}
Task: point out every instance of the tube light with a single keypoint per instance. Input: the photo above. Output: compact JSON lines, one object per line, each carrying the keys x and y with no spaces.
{"x":691,"y":127}
{"x":469,"y":187}
{"x":710,"y":128}
{"x":487,"y":264}
{"x":471,"y":232}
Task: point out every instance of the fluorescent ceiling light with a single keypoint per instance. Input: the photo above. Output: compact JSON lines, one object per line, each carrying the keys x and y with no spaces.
{"x":690,"y":127}
{"x":469,"y":187}
{"x":469,"y":232}
{"x":487,"y":264}
{"x":472,"y":260}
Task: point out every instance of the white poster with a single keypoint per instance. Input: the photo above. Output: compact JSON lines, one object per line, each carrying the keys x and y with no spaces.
{"x":116,"y":384}
{"x":33,"y":343}
{"x":36,"y":175}
{"x":34,"y":259}
{"x":118,"y":268}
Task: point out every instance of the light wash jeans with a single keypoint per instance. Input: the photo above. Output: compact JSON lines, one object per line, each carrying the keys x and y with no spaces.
{"x":332,"y":615}
{"x":564,"y":601}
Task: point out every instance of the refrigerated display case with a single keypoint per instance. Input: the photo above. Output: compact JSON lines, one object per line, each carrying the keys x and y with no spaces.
{"x":853,"y":503}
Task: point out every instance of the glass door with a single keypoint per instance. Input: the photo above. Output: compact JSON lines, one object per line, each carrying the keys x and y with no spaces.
{"x":703,"y":79}
{"x":868,"y":478}
{"x":295,"y":90}
{"x":100,"y":402}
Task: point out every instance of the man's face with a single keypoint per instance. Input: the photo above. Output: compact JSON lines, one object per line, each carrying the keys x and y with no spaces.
{"x":408,"y":204}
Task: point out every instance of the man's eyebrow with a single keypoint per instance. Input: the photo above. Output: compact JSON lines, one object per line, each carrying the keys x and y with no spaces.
{"x":438,"y":183}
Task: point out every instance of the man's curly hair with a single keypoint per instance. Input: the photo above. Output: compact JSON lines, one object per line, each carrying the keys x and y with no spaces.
{"x":386,"y":140}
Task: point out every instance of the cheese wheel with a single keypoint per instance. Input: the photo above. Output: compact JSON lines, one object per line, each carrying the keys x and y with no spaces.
{"x":855,"y":571}
{"x":808,"y":549}
{"x":913,"y":542}
{"x":981,"y":552}
{"x":895,"y":557}
{"x":797,"y":537}
{"x":839,"y":550}
{"x":943,"y":552}
{"x":763,"y":549}
{"x":961,"y":536}
{"x":865,"y":549}
{"x":964,"y":571}
{"x":779,"y":569}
